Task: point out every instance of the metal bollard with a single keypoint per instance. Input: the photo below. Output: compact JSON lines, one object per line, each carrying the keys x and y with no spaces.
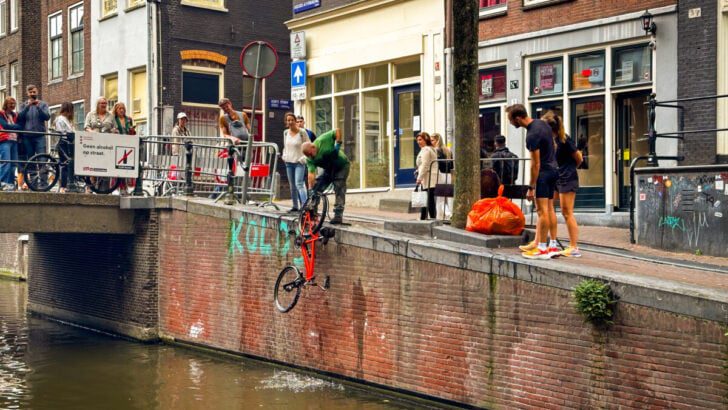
{"x":189,"y":187}
{"x":138,"y":191}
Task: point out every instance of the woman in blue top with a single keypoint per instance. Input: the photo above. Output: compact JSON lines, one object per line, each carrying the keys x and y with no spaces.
{"x":569,"y":158}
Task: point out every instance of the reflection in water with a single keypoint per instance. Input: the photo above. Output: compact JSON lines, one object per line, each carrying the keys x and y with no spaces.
{"x":46,"y":365}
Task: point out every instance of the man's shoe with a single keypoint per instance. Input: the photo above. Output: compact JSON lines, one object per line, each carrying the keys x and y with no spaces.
{"x":571,"y":252}
{"x":554,"y":252}
{"x":529,"y":246}
{"x":336,"y":220}
{"x":537,"y":254}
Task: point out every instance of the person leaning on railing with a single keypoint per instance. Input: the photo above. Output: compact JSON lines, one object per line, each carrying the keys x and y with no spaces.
{"x":8,"y":144}
{"x":234,"y":125}
{"x":100,"y":119}
{"x":179,"y":132}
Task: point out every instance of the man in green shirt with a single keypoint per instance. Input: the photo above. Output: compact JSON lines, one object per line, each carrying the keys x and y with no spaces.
{"x":325,"y":153}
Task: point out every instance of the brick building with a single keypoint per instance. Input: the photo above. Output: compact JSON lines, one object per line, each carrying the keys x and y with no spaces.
{"x":200,"y":62}
{"x":19,"y":52}
{"x":722,"y":82}
{"x":594,"y":64}
{"x":65,"y":55}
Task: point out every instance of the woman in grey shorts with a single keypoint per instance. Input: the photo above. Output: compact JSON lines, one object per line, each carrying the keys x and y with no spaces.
{"x":568,"y":158}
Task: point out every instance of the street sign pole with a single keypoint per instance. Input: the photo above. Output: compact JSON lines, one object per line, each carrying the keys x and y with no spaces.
{"x":249,"y":146}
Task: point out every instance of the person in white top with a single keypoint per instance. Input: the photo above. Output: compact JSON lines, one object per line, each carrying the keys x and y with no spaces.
{"x":293,"y":139}
{"x":425,"y":168}
{"x":64,"y":123}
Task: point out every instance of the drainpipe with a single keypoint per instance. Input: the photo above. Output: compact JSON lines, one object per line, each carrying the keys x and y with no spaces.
{"x":150,"y":66}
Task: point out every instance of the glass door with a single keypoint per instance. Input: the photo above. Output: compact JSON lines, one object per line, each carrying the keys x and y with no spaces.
{"x":407,"y":124}
{"x":631,"y":140}
{"x":587,"y":115}
{"x":490,"y":126}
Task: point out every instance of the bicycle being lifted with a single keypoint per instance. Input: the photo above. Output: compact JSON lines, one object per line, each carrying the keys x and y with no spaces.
{"x":291,"y":281}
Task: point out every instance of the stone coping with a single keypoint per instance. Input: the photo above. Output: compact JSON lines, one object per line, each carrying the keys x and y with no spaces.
{"x":52,"y":198}
{"x":681,"y":298}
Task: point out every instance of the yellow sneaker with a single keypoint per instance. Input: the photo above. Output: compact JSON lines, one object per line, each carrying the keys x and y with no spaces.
{"x":571,"y":252}
{"x":529,"y":246}
{"x":536,"y":253}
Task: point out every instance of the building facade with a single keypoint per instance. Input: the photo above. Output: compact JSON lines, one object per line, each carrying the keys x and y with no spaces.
{"x":592,"y":63}
{"x":19,"y":52}
{"x":376,"y":70}
{"x":722,"y":82}
{"x":65,"y":57}
{"x":119,"y":49}
{"x":200,"y":63}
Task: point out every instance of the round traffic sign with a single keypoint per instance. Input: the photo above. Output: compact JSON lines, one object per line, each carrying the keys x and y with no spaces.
{"x":259,"y":59}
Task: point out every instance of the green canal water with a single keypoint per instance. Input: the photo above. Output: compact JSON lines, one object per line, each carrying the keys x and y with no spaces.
{"x":48,"y":365}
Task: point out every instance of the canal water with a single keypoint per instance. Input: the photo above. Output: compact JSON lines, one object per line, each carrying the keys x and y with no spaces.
{"x":48,"y":365}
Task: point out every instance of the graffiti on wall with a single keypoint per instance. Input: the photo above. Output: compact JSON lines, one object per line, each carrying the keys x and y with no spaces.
{"x":684,"y":211}
{"x":252,"y":237}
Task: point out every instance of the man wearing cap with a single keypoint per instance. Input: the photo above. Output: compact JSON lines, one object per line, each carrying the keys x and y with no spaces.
{"x":234,"y":125}
{"x":180,"y":130}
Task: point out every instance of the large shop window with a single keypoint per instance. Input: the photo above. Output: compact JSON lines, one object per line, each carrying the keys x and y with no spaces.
{"x":632,"y":65}
{"x":322,"y":116}
{"x":587,"y":71}
{"x":376,"y":138}
{"x":322,"y":85}
{"x":75,"y":17}
{"x":347,"y":115}
{"x":374,"y":76}
{"x":200,"y":88}
{"x":346,"y":81}
{"x":55,"y":38}
{"x":547,"y":77}
{"x":407,"y":69}
{"x":588,"y":129}
{"x":492,"y":84}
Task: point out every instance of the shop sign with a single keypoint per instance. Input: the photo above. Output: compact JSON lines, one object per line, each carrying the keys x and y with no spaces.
{"x":303,"y":5}
{"x":486,"y":86}
{"x":106,"y":155}
{"x":298,"y":45}
{"x":546,"y":75}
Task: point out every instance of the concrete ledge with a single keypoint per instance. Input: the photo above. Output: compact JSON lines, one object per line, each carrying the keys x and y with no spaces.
{"x":397,"y":205}
{"x":448,"y":233}
{"x":51,"y":198}
{"x":143,"y":334}
{"x":613,"y":220}
{"x":412,"y":227}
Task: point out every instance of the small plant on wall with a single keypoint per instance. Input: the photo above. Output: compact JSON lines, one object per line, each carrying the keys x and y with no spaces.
{"x":595,"y":301}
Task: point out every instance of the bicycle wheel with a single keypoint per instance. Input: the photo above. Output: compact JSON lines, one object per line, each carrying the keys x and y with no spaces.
{"x":288,"y":288}
{"x":41,"y":172}
{"x":102,"y":185}
{"x":313,"y":214}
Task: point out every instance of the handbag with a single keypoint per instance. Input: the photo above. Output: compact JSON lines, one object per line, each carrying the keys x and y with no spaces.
{"x":419,"y":197}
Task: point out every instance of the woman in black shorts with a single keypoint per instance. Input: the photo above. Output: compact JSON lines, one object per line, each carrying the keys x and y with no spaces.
{"x":569,"y":158}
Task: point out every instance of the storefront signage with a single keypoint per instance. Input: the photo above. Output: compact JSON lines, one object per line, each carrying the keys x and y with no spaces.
{"x":298,"y":45}
{"x":546,"y":75}
{"x":280,"y":104}
{"x":301,"y":6}
{"x":106,"y":155}
{"x":486,"y":86}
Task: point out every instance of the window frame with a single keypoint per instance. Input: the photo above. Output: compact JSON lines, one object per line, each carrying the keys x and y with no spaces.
{"x":143,"y":116}
{"x":108,"y":13}
{"x":51,"y":38}
{"x":14,"y":81}
{"x":79,"y":120}
{"x":3,"y":18}
{"x":532,"y":78}
{"x":104,"y":80}
{"x":493,"y":11}
{"x":13,"y":12}
{"x":134,"y":4}
{"x":573,"y":56}
{"x":203,"y":70}
{"x":193,"y":3}
{"x":71,"y":31}
{"x":3,"y":83}
{"x":532,"y":4}
{"x":617,"y":49}
{"x":502,"y":65}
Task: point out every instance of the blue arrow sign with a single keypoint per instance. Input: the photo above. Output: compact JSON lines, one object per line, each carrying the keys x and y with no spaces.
{"x":298,"y":73}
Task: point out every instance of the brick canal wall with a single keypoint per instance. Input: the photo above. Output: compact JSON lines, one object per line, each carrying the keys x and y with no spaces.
{"x":455,"y":324}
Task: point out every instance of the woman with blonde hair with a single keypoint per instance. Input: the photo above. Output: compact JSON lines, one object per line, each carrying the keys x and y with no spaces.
{"x":8,"y":143}
{"x":293,"y":140}
{"x":124,"y":124}
{"x":444,"y":176}
{"x":100,"y":119}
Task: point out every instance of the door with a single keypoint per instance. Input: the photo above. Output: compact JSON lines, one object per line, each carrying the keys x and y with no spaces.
{"x":490,"y":126}
{"x":631,"y":140}
{"x":407,"y":124}
{"x":587,"y":116}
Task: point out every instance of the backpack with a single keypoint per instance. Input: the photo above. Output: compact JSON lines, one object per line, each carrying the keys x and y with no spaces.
{"x":445,"y":167}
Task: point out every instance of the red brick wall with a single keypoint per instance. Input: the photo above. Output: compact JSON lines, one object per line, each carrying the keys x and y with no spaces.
{"x":454,"y":334}
{"x":519,"y":20}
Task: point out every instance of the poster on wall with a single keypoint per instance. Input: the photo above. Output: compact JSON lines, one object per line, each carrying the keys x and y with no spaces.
{"x":546,"y":76}
{"x":486,"y":86}
{"x":627,"y":71}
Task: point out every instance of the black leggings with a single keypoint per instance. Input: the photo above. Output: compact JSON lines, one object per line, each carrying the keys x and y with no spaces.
{"x":430,"y":205}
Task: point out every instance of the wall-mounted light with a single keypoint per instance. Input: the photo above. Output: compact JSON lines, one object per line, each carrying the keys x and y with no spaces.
{"x":647,"y":24}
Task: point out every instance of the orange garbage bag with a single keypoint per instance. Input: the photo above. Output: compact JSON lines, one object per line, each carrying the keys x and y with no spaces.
{"x":496,"y":216}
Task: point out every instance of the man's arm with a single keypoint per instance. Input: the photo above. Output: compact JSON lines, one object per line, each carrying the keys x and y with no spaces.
{"x":535,"y":165}
{"x":23,"y":113}
{"x":45,"y":113}
{"x":311,"y":179}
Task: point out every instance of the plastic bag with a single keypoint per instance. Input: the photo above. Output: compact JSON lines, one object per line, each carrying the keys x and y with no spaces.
{"x":496,"y":216}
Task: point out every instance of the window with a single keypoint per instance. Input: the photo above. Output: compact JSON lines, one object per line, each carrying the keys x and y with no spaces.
{"x":111,"y":89}
{"x":322,"y":116}
{"x":75,"y":22}
{"x":322,"y":86}
{"x":492,"y":84}
{"x":493,"y":8}
{"x":376,"y":138}
{"x":347,"y":119}
{"x":538,"y":3}
{"x":79,"y":114}
{"x":632,"y":65}
{"x":138,"y":95}
{"x":3,"y":83}
{"x":346,"y":81}
{"x":55,"y":33}
{"x":201,"y":87}
{"x":108,"y":7}
{"x":587,"y":71}
{"x":135,"y":3}
{"x":547,"y":77}
{"x":588,"y":132}
{"x":218,"y":5}
{"x":407,"y":69}
{"x":14,"y":81}
{"x":54,"y":110}
{"x":373,"y":76}
{"x":3,"y":17}
{"x":13,"y":15}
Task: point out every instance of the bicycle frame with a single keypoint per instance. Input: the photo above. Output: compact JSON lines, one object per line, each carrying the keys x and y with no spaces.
{"x":308,"y":248}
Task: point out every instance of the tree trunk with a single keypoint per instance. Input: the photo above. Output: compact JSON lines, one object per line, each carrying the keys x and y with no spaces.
{"x":465,"y":79}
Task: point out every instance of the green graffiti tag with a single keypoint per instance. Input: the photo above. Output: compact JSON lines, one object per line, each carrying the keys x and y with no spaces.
{"x":673,"y":222}
{"x":256,"y":241}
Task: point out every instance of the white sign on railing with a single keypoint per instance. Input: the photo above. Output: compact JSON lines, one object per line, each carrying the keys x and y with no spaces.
{"x":106,"y":155}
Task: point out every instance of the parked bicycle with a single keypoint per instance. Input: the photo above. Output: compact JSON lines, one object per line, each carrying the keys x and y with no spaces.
{"x":291,"y":281}
{"x":43,"y":171}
